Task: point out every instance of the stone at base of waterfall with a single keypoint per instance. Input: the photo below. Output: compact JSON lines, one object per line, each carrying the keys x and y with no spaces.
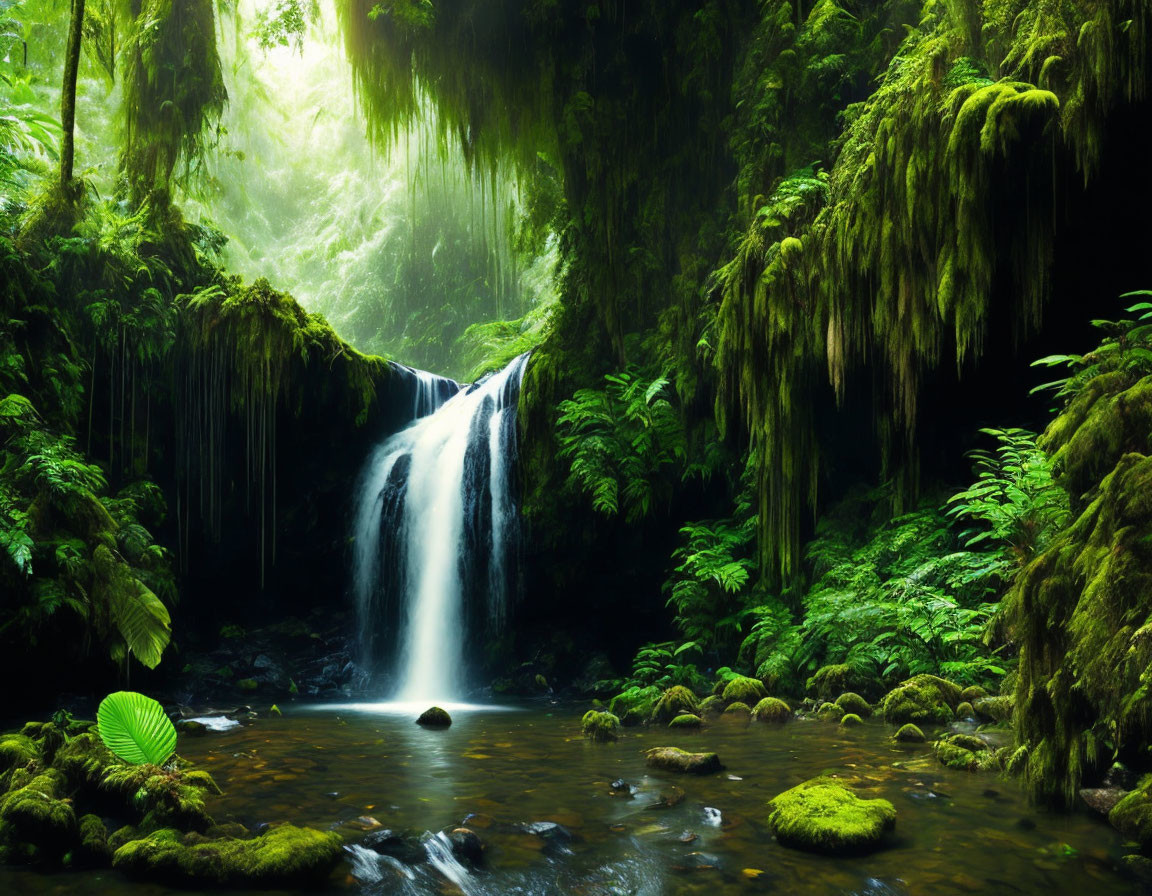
{"x":822,"y":815}
{"x":435,"y":717}
{"x":467,"y":846}
{"x":672,"y":759}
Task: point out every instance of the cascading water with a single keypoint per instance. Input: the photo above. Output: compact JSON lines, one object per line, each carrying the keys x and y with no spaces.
{"x":436,"y":530}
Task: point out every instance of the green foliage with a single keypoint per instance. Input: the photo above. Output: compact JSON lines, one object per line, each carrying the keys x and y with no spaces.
{"x":135,"y":728}
{"x":660,"y":667}
{"x":622,"y":441}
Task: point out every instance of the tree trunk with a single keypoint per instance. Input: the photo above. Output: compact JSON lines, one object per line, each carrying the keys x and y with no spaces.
{"x":68,"y":94}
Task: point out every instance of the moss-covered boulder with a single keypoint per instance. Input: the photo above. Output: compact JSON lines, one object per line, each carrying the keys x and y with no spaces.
{"x":830,"y":712}
{"x":634,"y":706}
{"x":673,"y":759}
{"x":738,"y":710}
{"x":17,"y":751}
{"x":741,"y":689}
{"x":851,"y":720}
{"x":972,"y":693}
{"x":285,"y":856}
{"x":822,"y":815}
{"x":434,"y":717}
{"x":771,"y":709}
{"x":164,"y":797}
{"x":600,"y":727}
{"x":1132,"y":816}
{"x":92,"y":850}
{"x":828,"y":681}
{"x":909,"y":734}
{"x":965,"y":711}
{"x":994,"y":709}
{"x":713,"y":705}
{"x":962,"y":752}
{"x":923,"y":698}
{"x":673,"y":702}
{"x":687,"y":721}
{"x":852,"y":702}
{"x":37,"y":813}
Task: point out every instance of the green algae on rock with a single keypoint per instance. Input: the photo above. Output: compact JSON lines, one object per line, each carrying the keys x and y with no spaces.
{"x":282,"y":856}
{"x":830,"y":712}
{"x":962,"y":752}
{"x":742,"y":689}
{"x":686,"y":721}
{"x":909,"y":734}
{"x":673,"y":759}
{"x":851,"y":720}
{"x":673,"y":702}
{"x":825,"y":816}
{"x":852,"y":702}
{"x":600,"y":726}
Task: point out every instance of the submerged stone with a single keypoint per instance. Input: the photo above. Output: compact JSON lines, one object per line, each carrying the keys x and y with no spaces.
{"x":285,"y":856}
{"x":672,"y":759}
{"x":824,"y":816}
{"x":434,"y":717}
{"x":770,"y":709}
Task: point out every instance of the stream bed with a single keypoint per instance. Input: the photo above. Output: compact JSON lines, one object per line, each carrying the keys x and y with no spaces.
{"x":541,"y":798}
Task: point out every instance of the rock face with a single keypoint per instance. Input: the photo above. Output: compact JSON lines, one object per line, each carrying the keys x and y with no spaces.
{"x":824,"y":816}
{"x":920,"y":699}
{"x":771,"y":710}
{"x":672,"y":759}
{"x":434,"y":717}
{"x":600,"y":726}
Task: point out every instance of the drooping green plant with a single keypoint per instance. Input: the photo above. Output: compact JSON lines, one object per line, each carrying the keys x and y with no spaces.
{"x":136,"y":728}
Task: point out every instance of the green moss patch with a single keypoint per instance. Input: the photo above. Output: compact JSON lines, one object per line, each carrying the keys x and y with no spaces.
{"x":824,"y":816}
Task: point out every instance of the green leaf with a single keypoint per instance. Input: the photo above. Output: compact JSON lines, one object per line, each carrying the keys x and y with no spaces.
{"x":135,"y":728}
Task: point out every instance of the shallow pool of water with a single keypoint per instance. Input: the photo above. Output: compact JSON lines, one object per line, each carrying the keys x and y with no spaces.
{"x":352,"y":768}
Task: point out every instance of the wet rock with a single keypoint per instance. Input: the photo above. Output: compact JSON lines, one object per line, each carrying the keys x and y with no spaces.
{"x":434,"y":717}
{"x":994,"y":709}
{"x":667,"y":799}
{"x":404,"y":847}
{"x":674,"y":702}
{"x":686,"y":721}
{"x":851,"y":720}
{"x":1139,"y":869}
{"x":711,"y":705}
{"x":824,"y":816}
{"x":697,"y":861}
{"x":1102,"y":799}
{"x":671,"y":759}
{"x":830,"y":712}
{"x":467,"y":846}
{"x":1132,"y":815}
{"x":738,"y":711}
{"x":965,"y":711}
{"x":962,"y":752}
{"x":191,"y":727}
{"x":740,"y":689}
{"x":620,"y":787}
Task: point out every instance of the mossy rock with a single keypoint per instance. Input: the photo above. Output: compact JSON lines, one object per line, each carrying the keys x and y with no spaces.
{"x":771,"y":709}
{"x":37,"y":814}
{"x":284,"y":856}
{"x":434,"y":717}
{"x":673,"y":759}
{"x":673,"y":702}
{"x":738,"y":710}
{"x":634,"y":706}
{"x":741,"y":689}
{"x":965,"y":711}
{"x":972,"y":693}
{"x":851,"y":720}
{"x":93,"y":850}
{"x":909,"y":734}
{"x":711,"y":705}
{"x":1132,"y":816}
{"x":852,"y":702}
{"x":600,"y":726}
{"x":829,"y":712}
{"x":824,"y":816}
{"x":995,"y":709}
{"x":17,"y":751}
{"x":686,"y":721}
{"x":920,"y":699}
{"x":162,"y":798}
{"x":191,"y":727}
{"x":85,"y":760}
{"x":962,"y":752}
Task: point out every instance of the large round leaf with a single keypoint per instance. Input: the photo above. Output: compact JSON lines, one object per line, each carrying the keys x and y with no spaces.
{"x":135,"y":728}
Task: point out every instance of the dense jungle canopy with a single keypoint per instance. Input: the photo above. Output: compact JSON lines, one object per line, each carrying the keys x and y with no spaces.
{"x":839,"y":312}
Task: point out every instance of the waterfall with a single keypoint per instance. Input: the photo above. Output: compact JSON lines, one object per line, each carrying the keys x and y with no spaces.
{"x":436,"y":529}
